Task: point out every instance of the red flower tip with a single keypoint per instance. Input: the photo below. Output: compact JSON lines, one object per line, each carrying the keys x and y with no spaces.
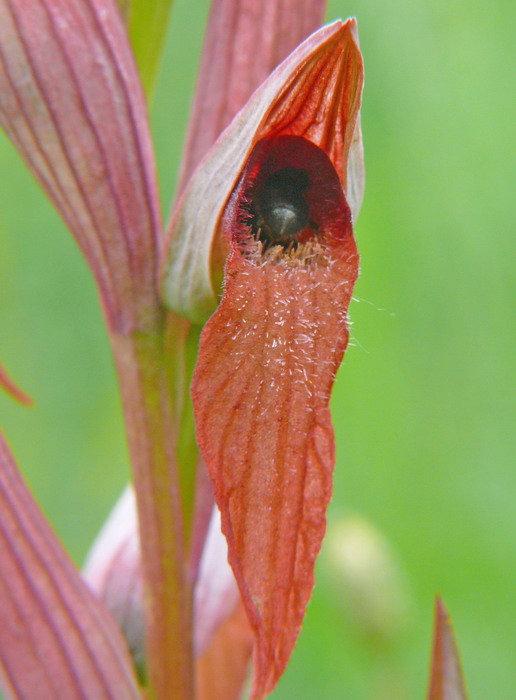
{"x":314,"y":94}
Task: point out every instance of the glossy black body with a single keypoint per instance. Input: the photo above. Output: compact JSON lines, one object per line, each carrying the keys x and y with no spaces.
{"x":279,"y":209}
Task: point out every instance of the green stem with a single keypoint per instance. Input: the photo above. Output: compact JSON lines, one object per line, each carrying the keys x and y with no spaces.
{"x":146,"y":369}
{"x":183,"y":344}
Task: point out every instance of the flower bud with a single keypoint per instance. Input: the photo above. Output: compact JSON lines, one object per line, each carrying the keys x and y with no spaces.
{"x":370,"y":582}
{"x":113,"y":570}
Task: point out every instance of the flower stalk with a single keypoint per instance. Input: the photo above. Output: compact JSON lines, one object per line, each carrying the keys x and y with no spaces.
{"x":153,"y":428}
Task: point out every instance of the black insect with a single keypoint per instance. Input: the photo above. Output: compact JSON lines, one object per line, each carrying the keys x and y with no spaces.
{"x":279,"y":211}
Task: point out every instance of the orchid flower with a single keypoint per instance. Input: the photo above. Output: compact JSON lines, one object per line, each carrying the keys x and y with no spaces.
{"x":269,"y":353}
{"x":244,"y":301}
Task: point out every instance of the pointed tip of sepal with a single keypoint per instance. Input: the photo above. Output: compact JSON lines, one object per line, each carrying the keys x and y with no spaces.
{"x":446,"y":677}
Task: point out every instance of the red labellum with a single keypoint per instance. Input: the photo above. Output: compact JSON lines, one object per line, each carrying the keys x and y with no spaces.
{"x":261,"y":389}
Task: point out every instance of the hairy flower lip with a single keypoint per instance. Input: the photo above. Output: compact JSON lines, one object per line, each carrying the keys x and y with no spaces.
{"x":328,"y":64}
{"x":261,"y":388}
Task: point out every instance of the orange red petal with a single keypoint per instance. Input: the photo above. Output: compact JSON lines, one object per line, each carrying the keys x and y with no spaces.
{"x":261,"y":391}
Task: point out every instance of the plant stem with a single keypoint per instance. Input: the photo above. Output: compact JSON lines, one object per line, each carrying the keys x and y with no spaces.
{"x":146,"y":371}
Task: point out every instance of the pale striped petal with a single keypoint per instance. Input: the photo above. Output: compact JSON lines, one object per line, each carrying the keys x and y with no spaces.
{"x":57,"y":642}
{"x":71,"y":101}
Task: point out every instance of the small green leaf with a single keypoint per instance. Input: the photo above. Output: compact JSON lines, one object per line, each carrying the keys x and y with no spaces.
{"x":147,"y":22}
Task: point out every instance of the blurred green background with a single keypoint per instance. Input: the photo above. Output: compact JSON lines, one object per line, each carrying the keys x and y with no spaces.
{"x":424,"y":406}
